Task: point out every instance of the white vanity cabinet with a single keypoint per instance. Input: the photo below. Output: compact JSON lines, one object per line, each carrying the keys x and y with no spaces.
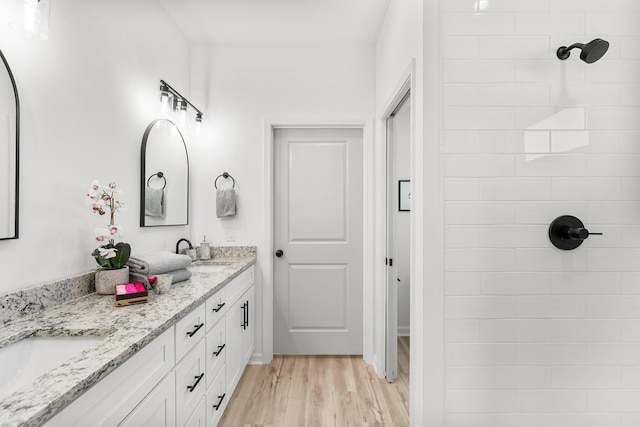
{"x":239,"y":327}
{"x":183,"y":378}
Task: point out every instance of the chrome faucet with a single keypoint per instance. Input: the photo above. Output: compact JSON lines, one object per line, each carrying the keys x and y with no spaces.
{"x":183,"y":240}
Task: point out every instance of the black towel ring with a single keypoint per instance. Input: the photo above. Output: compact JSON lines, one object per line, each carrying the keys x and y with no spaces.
{"x":159,"y":175}
{"x":224,"y":175}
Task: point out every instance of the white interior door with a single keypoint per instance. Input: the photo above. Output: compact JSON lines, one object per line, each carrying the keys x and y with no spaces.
{"x":318,"y":229}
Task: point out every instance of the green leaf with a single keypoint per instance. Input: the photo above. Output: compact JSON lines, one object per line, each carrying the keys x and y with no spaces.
{"x":123,"y":252}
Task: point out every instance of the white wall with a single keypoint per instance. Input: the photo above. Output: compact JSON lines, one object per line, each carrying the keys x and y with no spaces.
{"x":87,"y":95}
{"x":244,"y":85}
{"x":536,"y":336}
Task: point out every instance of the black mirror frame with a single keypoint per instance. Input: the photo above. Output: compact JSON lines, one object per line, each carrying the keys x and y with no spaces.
{"x":143,"y":178}
{"x":17,"y":192}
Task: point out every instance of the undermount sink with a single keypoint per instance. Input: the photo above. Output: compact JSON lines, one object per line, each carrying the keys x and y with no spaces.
{"x":24,"y":361}
{"x":207,"y":268}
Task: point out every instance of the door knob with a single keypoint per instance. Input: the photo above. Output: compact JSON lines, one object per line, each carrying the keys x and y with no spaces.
{"x":279,"y":253}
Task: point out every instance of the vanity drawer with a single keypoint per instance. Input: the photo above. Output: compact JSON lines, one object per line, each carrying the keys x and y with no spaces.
{"x":217,"y":399}
{"x":216,"y":350}
{"x":191,"y":382}
{"x":216,"y":307}
{"x":239,"y":285}
{"x":189,"y":330}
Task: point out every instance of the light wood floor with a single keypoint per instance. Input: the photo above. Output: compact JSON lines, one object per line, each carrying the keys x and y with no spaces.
{"x":310,"y":391}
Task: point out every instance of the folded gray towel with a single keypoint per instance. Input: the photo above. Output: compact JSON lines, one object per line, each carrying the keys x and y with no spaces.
{"x":157,"y":262}
{"x":225,"y":202}
{"x":179,"y":275}
{"x":154,"y":202}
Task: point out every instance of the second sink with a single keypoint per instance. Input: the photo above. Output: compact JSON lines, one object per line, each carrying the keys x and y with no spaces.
{"x":27,"y":359}
{"x":207,"y":268}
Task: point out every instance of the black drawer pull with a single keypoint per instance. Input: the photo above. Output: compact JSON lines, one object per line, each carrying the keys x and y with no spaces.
{"x":244,"y":316}
{"x":217,"y":309}
{"x":193,"y":387}
{"x":220,"y":348}
{"x":216,"y":407}
{"x":192,"y":333}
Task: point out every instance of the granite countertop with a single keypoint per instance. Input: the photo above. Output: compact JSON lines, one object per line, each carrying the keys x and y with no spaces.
{"x":125,"y":330}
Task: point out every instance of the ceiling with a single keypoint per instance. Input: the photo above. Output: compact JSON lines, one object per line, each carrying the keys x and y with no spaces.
{"x":278,"y":21}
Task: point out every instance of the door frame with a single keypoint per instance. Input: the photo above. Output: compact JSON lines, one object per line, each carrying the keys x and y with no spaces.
{"x":402,"y":88}
{"x":266,"y":259}
{"x":390,"y":355}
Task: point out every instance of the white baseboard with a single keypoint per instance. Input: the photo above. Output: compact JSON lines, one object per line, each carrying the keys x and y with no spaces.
{"x":256,"y":359}
{"x":403,"y":331}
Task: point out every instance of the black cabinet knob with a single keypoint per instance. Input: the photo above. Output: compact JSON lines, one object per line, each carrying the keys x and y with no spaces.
{"x":279,"y":253}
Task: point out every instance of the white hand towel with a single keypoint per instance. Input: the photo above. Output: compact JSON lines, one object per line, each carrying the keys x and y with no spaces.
{"x":225,"y":202}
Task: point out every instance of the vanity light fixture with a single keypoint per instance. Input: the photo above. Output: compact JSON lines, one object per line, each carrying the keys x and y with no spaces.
{"x":180,"y":103}
{"x":31,"y":18}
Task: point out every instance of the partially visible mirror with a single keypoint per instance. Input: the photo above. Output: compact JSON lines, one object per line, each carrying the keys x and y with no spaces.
{"x":164,"y":183}
{"x":9,"y":152}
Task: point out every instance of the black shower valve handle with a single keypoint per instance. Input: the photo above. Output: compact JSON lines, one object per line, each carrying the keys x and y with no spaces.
{"x":567,"y":232}
{"x":579,"y":233}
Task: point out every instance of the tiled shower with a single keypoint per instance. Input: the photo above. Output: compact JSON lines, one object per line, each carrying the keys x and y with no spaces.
{"x":537,"y":336}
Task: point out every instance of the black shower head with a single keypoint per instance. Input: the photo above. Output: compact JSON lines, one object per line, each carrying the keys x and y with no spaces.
{"x":591,"y":51}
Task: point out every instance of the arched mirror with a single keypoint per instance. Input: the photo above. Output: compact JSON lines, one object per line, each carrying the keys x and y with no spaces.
{"x":9,"y":152}
{"x":164,"y":183}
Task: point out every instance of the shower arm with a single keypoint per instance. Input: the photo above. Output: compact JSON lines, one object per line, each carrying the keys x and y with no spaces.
{"x":564,"y":51}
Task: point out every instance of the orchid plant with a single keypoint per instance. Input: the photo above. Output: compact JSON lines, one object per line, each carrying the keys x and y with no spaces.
{"x":109,"y":255}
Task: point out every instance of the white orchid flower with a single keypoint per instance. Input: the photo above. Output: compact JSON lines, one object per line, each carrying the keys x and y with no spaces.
{"x":102,"y":234}
{"x":115,"y":230}
{"x":98,"y":206}
{"x":94,"y":189}
{"x":107,"y":253}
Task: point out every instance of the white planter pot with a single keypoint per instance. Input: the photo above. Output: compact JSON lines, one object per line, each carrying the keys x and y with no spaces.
{"x":106,"y":280}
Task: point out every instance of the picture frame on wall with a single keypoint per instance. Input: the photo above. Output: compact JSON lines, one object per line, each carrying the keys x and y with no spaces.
{"x":404,"y":195}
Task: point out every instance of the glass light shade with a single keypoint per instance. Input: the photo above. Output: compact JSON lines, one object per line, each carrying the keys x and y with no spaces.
{"x":165,"y":99}
{"x":31,"y":18}
{"x":181,"y":108}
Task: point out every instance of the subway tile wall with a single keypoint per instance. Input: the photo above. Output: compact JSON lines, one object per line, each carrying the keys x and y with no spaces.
{"x":536,"y":336}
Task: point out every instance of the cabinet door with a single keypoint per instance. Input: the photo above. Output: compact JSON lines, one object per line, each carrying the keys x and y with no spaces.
{"x":249,"y":331}
{"x":233,"y":360}
{"x":158,"y":408}
{"x":199,"y":416}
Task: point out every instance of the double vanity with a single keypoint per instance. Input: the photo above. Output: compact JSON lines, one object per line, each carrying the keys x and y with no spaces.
{"x":173,"y":361}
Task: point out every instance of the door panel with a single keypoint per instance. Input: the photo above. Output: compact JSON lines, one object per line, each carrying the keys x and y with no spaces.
{"x":317,"y":297}
{"x":318,"y":226}
{"x":317,"y":193}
